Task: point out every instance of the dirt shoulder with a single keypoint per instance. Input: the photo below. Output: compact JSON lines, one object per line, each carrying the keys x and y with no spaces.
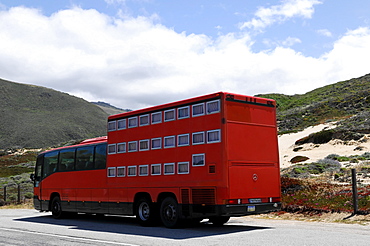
{"x":345,"y":218}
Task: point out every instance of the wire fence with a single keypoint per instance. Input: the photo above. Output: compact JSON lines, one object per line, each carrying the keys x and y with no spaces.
{"x":16,"y":193}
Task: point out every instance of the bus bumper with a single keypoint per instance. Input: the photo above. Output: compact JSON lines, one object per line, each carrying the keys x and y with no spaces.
{"x":37,"y":203}
{"x":248,"y":209}
{"x":198,"y":211}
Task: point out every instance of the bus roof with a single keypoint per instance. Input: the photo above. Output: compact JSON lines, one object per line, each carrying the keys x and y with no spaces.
{"x":189,"y":101}
{"x":94,"y":140}
{"x":82,"y":143}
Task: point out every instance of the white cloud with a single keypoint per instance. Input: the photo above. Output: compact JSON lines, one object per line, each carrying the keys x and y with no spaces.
{"x":115,"y":1}
{"x":350,"y":55}
{"x":133,"y":63}
{"x":325,"y":32}
{"x":290,"y":41}
{"x":265,"y":17}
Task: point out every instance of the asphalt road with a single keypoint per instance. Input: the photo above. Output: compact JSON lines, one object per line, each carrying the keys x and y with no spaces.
{"x":29,"y":227}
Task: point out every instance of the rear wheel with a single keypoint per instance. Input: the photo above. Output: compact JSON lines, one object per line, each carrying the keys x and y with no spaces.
{"x":56,"y":208}
{"x":145,"y":212}
{"x":219,"y":220}
{"x":169,"y":212}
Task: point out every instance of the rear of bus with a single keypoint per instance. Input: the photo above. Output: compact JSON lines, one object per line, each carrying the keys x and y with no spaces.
{"x":252,"y":155}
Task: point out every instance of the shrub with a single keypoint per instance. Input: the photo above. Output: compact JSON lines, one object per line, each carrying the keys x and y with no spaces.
{"x":343,"y":158}
{"x":338,"y":175}
{"x":28,"y":195}
{"x":311,"y":197}
{"x":299,"y":158}
{"x":321,"y":137}
{"x":332,"y":156}
{"x":329,"y":163}
{"x":297,"y":149}
{"x":300,"y":170}
{"x":366,"y":155}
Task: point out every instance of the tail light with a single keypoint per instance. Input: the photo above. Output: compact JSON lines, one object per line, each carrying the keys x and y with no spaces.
{"x":275,"y":199}
{"x":234,"y":201}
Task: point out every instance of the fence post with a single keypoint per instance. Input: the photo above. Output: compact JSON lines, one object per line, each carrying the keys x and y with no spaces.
{"x":19,"y":194}
{"x":354,"y":191}
{"x":4,"y":193}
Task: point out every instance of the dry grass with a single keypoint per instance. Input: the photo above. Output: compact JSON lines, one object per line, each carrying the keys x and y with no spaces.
{"x":28,"y":204}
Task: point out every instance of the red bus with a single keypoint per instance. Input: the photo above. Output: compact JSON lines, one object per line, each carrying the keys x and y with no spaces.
{"x":212,"y":156}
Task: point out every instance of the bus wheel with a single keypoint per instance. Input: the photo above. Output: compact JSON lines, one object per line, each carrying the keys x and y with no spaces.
{"x":144,"y":212}
{"x":169,"y":212}
{"x":219,"y":220}
{"x":56,"y":208}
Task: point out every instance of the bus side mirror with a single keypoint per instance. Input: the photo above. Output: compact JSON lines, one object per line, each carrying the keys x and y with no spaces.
{"x":32,"y":176}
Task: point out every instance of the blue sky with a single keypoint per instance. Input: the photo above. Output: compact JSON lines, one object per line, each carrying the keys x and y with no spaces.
{"x":137,"y":53}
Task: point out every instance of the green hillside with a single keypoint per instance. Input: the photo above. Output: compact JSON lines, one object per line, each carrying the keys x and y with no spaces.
{"x":347,"y":101}
{"x":33,"y":117}
{"x":110,"y":109}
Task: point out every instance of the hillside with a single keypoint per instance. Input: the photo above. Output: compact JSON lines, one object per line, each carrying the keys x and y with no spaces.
{"x":110,"y":109}
{"x":347,"y":101}
{"x":34,"y":117}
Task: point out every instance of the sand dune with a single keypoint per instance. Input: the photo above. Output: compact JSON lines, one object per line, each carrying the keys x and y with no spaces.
{"x":317,"y":151}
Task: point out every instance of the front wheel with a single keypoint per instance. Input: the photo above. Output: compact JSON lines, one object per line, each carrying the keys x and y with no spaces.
{"x":56,"y":208}
{"x":145,"y":212}
{"x":169,"y":212}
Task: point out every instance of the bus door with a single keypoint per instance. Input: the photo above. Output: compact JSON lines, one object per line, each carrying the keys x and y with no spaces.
{"x":36,"y":178}
{"x":252,"y":150}
{"x":253,"y":162}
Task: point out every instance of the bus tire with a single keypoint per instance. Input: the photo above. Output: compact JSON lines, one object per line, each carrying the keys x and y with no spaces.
{"x":219,"y":220}
{"x":169,"y":212}
{"x":56,"y":208}
{"x":145,"y":212}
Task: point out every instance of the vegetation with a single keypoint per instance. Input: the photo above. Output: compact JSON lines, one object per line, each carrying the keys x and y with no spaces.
{"x":331,"y":167}
{"x":315,"y":197}
{"x":35,"y":117}
{"x":347,"y":101}
{"x":110,"y":109}
{"x":15,"y":170}
{"x":299,"y":158}
{"x":16,"y":164}
{"x":321,"y":137}
{"x":11,"y":184}
{"x":325,"y":186}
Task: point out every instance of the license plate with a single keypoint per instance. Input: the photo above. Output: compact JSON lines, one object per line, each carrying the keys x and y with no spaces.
{"x":255,"y":200}
{"x":251,"y":208}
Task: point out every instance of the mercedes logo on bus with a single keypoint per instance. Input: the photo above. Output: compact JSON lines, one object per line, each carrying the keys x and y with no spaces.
{"x":255,"y":177}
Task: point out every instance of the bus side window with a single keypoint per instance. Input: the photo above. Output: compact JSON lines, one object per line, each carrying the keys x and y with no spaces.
{"x":85,"y":158}
{"x":100,"y":156}
{"x":66,"y":160}
{"x":50,"y":163}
